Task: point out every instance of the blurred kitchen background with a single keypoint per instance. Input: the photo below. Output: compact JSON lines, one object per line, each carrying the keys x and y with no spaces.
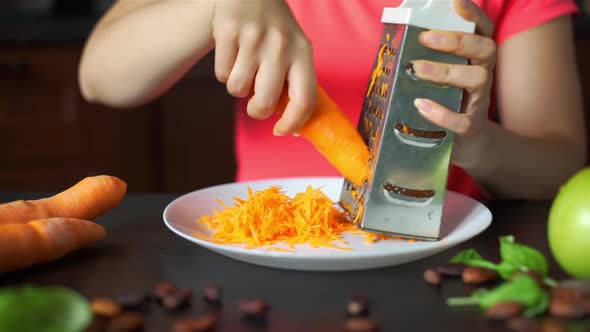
{"x":50,"y":137}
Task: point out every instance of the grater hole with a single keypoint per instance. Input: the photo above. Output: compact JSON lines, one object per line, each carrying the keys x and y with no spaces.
{"x":416,"y":193}
{"x":406,"y":196}
{"x":419,"y":137}
{"x":411,"y":71}
{"x":437,"y":134}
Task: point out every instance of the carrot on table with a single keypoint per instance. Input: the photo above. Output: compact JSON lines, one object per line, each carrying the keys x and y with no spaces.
{"x":41,"y":241}
{"x":87,"y":200}
{"x":335,"y":137}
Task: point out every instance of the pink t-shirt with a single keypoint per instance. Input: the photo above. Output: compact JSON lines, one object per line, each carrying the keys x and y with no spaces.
{"x":345,"y":36}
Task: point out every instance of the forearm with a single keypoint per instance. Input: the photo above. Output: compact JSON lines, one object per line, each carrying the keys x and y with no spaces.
{"x":530,"y":168}
{"x":130,"y":61}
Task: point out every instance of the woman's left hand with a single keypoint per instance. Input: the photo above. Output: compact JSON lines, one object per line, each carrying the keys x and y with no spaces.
{"x":470,"y":125}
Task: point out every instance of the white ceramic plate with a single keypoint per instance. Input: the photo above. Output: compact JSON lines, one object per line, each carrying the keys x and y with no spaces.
{"x":463,"y":218}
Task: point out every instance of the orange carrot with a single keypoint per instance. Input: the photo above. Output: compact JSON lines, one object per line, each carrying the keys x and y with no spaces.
{"x":87,"y":200}
{"x":335,"y":137}
{"x":41,"y":241}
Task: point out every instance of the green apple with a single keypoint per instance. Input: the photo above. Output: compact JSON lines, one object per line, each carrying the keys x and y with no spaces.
{"x":569,"y":226}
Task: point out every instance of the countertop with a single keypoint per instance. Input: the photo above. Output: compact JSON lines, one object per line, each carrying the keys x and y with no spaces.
{"x":140,"y":251}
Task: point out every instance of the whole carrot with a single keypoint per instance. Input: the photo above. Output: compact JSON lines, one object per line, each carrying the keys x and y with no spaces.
{"x":333,"y":134}
{"x":88,"y":199}
{"x":41,"y":241}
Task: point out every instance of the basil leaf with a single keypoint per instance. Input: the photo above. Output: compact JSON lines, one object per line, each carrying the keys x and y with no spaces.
{"x":540,"y":307}
{"x":43,"y":309}
{"x":466,"y":255}
{"x":472,"y":258}
{"x":522,"y":289}
{"x":506,"y":269}
{"x":482,"y":263}
{"x":516,"y":256}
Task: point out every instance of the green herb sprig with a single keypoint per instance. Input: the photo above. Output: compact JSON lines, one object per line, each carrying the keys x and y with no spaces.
{"x":520,"y":288}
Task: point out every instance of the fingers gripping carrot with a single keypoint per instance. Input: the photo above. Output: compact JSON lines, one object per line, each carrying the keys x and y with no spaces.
{"x":41,"y":241}
{"x":335,"y":137}
{"x":87,"y":200}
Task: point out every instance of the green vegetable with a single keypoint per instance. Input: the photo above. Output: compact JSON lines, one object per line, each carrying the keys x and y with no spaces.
{"x":466,"y":255}
{"x":522,"y":289}
{"x":43,"y":309}
{"x":539,"y":307}
{"x":515,"y":257}
{"x":472,"y":258}
{"x":568,"y":227}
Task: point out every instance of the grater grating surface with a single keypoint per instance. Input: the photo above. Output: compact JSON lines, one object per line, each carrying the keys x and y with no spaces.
{"x":409,"y":160}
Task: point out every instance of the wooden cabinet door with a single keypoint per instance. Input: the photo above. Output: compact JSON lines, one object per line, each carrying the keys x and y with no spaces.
{"x":120,"y":143}
{"x":39,"y":124}
{"x":38,"y":115}
{"x":196,"y":124}
{"x":50,"y":137}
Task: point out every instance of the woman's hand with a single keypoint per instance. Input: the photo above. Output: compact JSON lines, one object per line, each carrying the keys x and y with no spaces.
{"x":471,"y":124}
{"x":258,"y":48}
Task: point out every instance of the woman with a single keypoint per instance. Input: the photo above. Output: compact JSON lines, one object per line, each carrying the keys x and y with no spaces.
{"x":522,"y":71}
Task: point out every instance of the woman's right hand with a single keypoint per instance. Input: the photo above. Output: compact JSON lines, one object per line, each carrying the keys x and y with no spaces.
{"x":259,"y":47}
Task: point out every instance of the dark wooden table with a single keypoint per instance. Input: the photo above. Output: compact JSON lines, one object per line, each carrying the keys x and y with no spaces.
{"x":140,"y":251}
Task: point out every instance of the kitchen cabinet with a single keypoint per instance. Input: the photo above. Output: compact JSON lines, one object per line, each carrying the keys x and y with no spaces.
{"x":50,"y":137}
{"x":196,"y":123}
{"x":38,"y":118}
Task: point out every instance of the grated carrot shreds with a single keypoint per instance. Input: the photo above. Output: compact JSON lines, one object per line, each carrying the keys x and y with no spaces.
{"x":373,"y":237}
{"x":270,"y":216}
{"x":273,"y":248}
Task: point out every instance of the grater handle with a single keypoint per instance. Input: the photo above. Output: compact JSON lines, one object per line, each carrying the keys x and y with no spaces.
{"x":428,"y":14}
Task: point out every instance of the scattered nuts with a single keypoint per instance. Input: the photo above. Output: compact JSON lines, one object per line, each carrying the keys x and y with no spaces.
{"x":566,"y":308}
{"x":553,"y":325}
{"x":212,"y":294}
{"x":522,"y":324}
{"x":582,"y":286}
{"x":134,"y":302}
{"x":586,"y":304}
{"x":105,"y":307}
{"x":504,"y":310}
{"x":357,"y":306}
{"x":569,"y":300}
{"x":254,"y":308}
{"x":361,"y":324}
{"x":432,"y":277}
{"x":126,"y":322}
{"x":98,"y":324}
{"x":178,"y":299}
{"x":451,"y":269}
{"x":163,"y":289}
{"x":568,"y":294}
{"x":478,"y":275}
{"x":199,"y":324}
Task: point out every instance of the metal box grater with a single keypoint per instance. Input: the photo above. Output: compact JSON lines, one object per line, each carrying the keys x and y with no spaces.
{"x":409,"y":161}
